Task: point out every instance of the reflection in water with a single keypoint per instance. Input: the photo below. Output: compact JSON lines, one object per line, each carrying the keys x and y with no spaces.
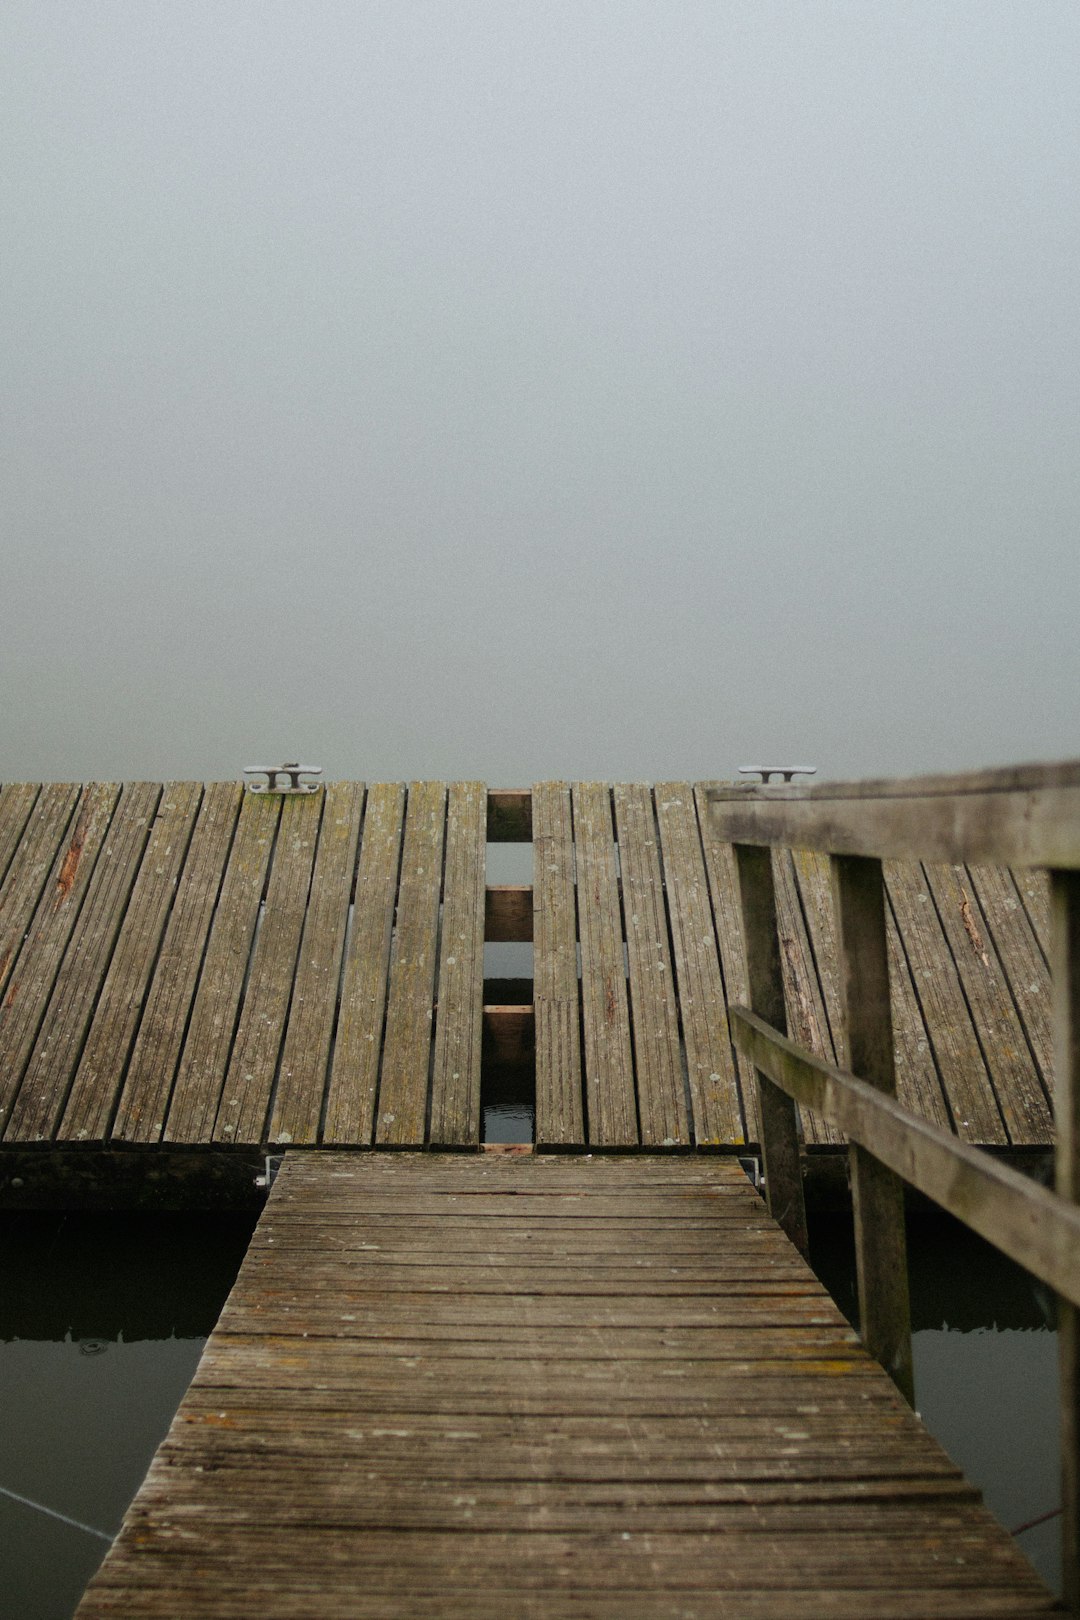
{"x":102,"y":1321}
{"x":986,"y":1380}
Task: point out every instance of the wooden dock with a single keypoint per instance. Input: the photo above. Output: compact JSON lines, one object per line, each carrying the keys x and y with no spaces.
{"x":455,"y":1385}
{"x":189,"y":965}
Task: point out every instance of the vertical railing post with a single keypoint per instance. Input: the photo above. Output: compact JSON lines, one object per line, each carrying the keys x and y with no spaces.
{"x":779,"y":1120}
{"x":877,"y":1194}
{"x":1065,"y":970}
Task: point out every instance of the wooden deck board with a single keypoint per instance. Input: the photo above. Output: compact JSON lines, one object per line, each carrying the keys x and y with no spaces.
{"x":249,"y":1080}
{"x":17,"y":800}
{"x":611,"y":1107}
{"x":714,"y":1093}
{"x":560,"y":1118}
{"x":333,"y":1456}
{"x":34,"y":970}
{"x":354,"y":1075}
{"x":918,"y":1083}
{"x":724,"y":894}
{"x":104,"y":1059}
{"x":406,"y":1059}
{"x":29,"y":867}
{"x":305,"y":1057}
{"x":1016,"y":1082}
{"x":147,"y":1086}
{"x":658,"y":1069}
{"x":216,"y":1009}
{"x":310,"y":970}
{"x":52,"y":1064}
{"x":455,"y":1076}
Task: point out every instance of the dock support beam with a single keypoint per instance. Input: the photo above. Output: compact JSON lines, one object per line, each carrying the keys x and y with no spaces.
{"x":765,"y":979}
{"x":1065,"y":969}
{"x":877,"y":1193}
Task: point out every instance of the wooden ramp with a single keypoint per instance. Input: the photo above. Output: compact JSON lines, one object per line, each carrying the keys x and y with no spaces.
{"x":479,"y":1386}
{"x":193,"y":966}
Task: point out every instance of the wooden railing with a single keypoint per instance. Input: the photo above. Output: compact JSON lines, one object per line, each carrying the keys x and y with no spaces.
{"x":1029,"y":816}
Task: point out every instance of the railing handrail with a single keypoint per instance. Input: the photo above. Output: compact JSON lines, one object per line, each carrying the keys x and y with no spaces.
{"x":1030,"y":1223}
{"x":1022,"y":816}
{"x":1026,"y":815}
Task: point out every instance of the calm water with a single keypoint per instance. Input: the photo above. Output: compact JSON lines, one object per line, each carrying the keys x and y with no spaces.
{"x":986,"y":1378}
{"x":102,"y":1320}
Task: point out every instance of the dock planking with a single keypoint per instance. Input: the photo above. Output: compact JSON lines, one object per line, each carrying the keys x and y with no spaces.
{"x":188,"y":965}
{"x":465,"y":1385}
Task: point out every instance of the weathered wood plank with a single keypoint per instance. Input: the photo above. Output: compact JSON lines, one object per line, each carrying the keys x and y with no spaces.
{"x":661,"y":1091}
{"x":455,"y":1095}
{"x":611,"y":1109}
{"x":305,"y":1057}
{"x":354,"y":1074}
{"x":1034,"y":890}
{"x":148,"y":1086}
{"x":358,"y":1460}
{"x":30,"y":867}
{"x":406,"y":1059}
{"x":807,"y":1019}
{"x":1023,"y":963}
{"x":559,"y":1111}
{"x":917,"y":1082}
{"x":101,"y":1069}
{"x":1016,"y":1084}
{"x":36,"y":1112}
{"x":249,"y":1079}
{"x":33,"y":974}
{"x":17,"y":800}
{"x":724,"y":895}
{"x":714,"y":1094}
{"x":216,"y":1009}
{"x":959,"y":1059}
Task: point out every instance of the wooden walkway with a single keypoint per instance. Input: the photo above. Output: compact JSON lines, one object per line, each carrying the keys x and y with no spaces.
{"x":190,"y":965}
{"x":609,"y":1387}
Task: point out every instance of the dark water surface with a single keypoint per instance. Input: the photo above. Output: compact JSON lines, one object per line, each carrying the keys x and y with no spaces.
{"x":102,"y":1320}
{"x":986,"y":1376}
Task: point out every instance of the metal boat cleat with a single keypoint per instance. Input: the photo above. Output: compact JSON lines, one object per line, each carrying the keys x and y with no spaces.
{"x":291,"y":771}
{"x":767,"y":772}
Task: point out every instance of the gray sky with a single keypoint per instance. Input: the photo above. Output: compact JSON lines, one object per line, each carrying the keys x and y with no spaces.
{"x":519,"y":390}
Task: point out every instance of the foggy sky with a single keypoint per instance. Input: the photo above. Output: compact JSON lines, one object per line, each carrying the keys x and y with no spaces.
{"x":586,"y":389}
